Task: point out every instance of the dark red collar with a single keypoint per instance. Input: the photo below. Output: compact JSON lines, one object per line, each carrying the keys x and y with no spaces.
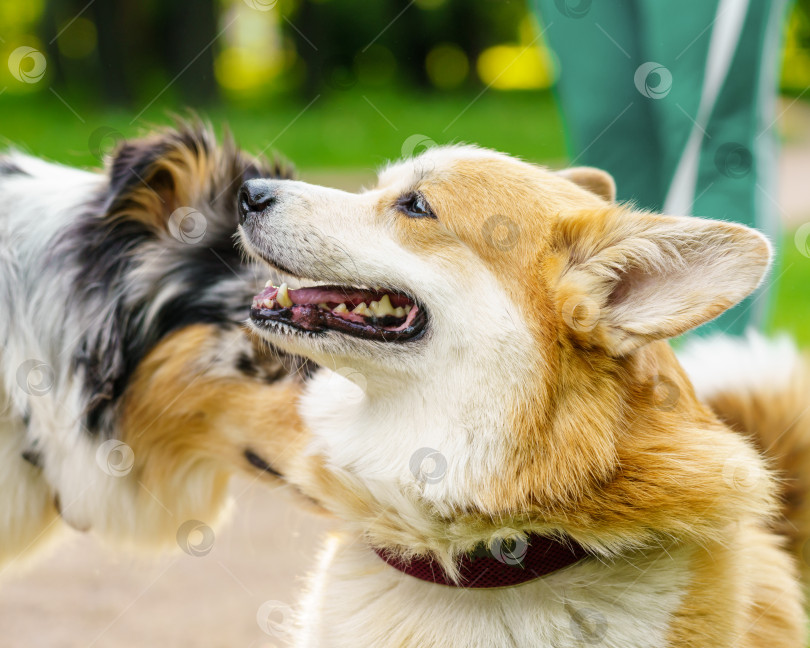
{"x":508,"y":563}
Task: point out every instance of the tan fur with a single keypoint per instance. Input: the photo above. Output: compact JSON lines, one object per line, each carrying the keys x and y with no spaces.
{"x":776,"y":417}
{"x":606,"y":440}
{"x":180,"y":412}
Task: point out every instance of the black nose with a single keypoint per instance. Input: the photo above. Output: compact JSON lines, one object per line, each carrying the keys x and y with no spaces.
{"x":255,"y":196}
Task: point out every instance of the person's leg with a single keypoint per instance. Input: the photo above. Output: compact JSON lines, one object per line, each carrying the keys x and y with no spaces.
{"x":676,"y":41}
{"x":609,"y":124}
{"x":723,"y":62}
{"x":743,"y":150}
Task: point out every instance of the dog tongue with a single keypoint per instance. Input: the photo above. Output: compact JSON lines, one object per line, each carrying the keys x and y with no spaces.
{"x":318,"y":295}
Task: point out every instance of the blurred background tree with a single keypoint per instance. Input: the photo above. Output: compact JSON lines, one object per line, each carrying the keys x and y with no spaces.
{"x":121,"y":52}
{"x":127,"y":49}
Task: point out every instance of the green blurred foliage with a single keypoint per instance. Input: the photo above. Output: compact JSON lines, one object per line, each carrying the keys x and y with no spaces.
{"x":346,"y":130}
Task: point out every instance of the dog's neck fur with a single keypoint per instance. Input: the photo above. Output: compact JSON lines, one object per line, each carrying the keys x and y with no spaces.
{"x":379,"y":508}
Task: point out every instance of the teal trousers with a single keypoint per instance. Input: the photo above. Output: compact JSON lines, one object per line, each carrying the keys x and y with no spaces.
{"x":677,"y":101}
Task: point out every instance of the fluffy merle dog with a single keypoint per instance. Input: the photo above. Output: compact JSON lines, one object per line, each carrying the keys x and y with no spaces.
{"x":130,"y":390}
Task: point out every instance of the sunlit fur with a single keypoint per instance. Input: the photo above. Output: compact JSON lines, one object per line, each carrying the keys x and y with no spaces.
{"x":139,"y":338}
{"x":545,"y":381}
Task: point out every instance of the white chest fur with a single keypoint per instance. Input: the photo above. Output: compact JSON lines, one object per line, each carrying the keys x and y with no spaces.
{"x":356,"y":600}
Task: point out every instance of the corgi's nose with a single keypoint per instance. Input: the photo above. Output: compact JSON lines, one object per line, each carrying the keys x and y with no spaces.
{"x":255,"y":196}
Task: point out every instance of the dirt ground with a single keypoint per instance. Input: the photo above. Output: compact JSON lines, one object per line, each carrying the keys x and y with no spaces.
{"x":84,"y":595}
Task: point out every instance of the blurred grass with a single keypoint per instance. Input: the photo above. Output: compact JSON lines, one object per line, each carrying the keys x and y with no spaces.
{"x":341,"y":130}
{"x":345,"y":131}
{"x":791,"y":307}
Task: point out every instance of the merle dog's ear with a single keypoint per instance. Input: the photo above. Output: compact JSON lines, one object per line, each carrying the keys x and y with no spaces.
{"x":183,"y":167}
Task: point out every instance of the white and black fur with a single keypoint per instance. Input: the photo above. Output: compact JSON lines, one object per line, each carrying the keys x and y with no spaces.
{"x":86,"y":292}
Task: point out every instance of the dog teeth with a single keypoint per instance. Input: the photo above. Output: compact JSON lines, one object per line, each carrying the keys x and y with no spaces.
{"x":378,"y":308}
{"x":362,"y":309}
{"x":263,"y":303}
{"x":383,"y":307}
{"x":283,"y":297}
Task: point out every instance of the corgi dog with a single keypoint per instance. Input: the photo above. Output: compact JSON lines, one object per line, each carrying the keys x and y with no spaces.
{"x":512,"y":448}
{"x":129,"y":385}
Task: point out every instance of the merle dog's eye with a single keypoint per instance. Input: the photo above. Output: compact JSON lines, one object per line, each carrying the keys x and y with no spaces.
{"x":414,"y":205}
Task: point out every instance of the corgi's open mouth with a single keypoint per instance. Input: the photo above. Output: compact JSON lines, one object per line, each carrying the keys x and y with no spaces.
{"x":369,"y":314}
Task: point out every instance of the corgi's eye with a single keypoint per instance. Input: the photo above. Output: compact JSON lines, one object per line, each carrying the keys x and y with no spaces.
{"x":414,"y":205}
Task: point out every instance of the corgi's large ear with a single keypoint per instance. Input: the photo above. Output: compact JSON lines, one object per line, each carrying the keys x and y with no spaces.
{"x":628,"y":278}
{"x":594,"y":180}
